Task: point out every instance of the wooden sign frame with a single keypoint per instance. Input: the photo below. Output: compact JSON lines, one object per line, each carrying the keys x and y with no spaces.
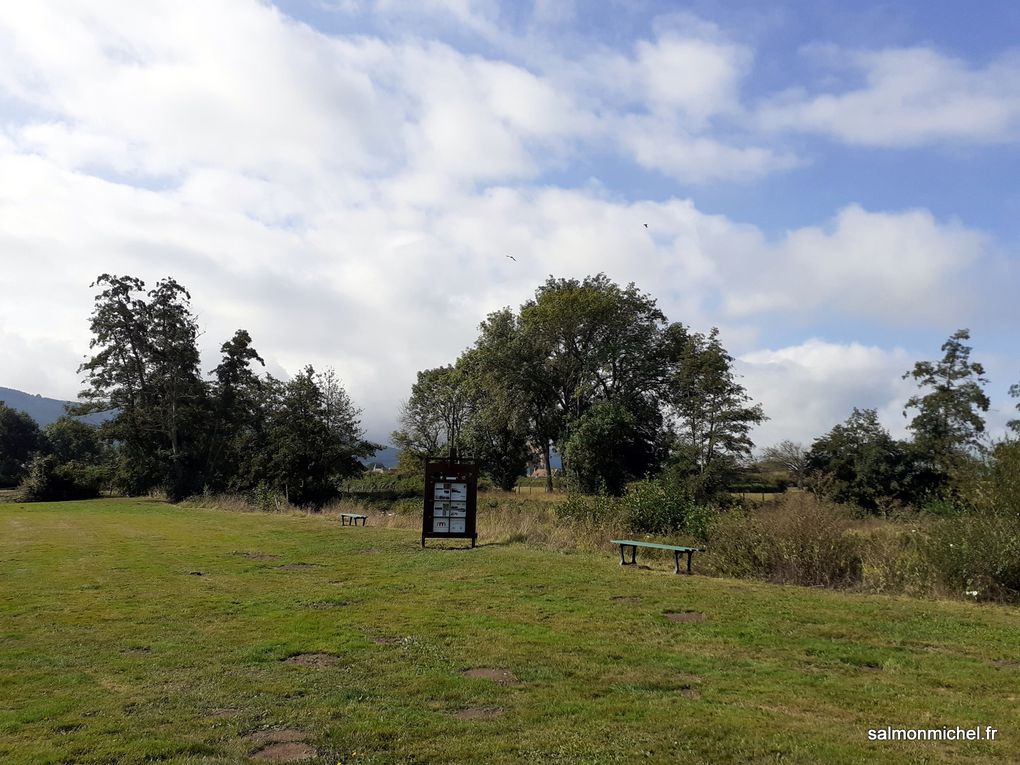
{"x":451,"y":499}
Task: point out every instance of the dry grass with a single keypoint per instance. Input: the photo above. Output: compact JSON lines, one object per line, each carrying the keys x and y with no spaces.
{"x":795,"y":539}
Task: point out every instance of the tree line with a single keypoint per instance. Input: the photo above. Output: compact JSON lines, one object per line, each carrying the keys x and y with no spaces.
{"x":174,"y":430}
{"x":586,"y":368}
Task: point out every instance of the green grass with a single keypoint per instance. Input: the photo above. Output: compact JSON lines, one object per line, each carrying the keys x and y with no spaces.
{"x":111,"y":650}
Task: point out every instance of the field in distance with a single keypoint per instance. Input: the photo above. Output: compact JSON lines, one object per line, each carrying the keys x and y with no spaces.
{"x":134,"y":631}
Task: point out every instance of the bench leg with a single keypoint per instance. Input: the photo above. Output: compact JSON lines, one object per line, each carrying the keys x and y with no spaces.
{"x":676,"y":561}
{"x":689,"y":555}
{"x":343,"y":521}
{"x":623,"y":562}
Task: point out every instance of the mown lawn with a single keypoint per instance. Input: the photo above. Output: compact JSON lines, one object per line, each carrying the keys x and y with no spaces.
{"x":134,"y":631}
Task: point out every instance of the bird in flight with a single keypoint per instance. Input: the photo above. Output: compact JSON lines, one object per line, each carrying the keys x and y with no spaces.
{"x":512,"y":258}
{"x":646,"y":225}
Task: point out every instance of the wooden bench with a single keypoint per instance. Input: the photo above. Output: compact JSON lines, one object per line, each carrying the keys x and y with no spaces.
{"x":634,"y":545}
{"x":351,"y":519}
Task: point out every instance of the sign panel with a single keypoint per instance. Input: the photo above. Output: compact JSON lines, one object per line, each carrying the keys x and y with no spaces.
{"x":451,"y":499}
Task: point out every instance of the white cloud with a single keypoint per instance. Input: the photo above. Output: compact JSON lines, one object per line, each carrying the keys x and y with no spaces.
{"x":806,"y":389}
{"x":905,"y":267}
{"x":351,"y":201}
{"x":909,"y":97}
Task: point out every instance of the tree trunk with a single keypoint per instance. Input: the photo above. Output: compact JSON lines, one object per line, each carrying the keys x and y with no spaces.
{"x":548,"y":468}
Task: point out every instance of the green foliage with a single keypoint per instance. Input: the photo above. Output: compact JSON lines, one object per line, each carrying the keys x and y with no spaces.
{"x":860,"y":463}
{"x":386,"y":486}
{"x":664,"y":507}
{"x":315,"y":439}
{"x":607,"y":448}
{"x":432,"y":420}
{"x":50,"y":479}
{"x":20,"y":439}
{"x":948,"y":423}
{"x":978,"y":554}
{"x":592,"y":343}
{"x":648,"y":507}
{"x":145,"y":368}
{"x":713,"y":412}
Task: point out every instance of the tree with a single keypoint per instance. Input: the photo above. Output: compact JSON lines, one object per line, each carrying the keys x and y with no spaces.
{"x":315,"y":438}
{"x":607,"y":448}
{"x":241,"y":405}
{"x":712,"y":411}
{"x":948,"y":425}
{"x":864,"y":464}
{"x":591,"y":341}
{"x":20,"y":439}
{"x":1014,"y":392}
{"x":434,"y":417}
{"x":790,"y":456}
{"x":510,"y":411}
{"x":145,"y":369}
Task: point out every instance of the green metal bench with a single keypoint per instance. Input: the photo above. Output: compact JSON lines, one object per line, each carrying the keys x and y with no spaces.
{"x":351,"y":519}
{"x":678,"y":550}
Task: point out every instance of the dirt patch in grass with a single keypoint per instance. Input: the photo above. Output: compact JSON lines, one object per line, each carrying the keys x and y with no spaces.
{"x":280,"y":745}
{"x":478,"y":713}
{"x":292,"y":751}
{"x":690,"y":693}
{"x":313,"y":660}
{"x":387,"y":640}
{"x":255,"y":555}
{"x":196,"y":573}
{"x":497,"y":675}
{"x":224,"y":713}
{"x":627,"y":599}
{"x":685,"y":616}
{"x":276,"y":736}
{"x":297,"y":566}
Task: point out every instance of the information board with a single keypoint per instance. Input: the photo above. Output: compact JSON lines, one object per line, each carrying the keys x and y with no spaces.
{"x":451,"y":499}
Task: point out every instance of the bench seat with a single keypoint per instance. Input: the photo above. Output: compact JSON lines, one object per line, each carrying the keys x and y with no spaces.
{"x":634,"y":544}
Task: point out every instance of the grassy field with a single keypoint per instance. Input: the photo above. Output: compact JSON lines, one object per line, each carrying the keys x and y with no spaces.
{"x":134,"y":632}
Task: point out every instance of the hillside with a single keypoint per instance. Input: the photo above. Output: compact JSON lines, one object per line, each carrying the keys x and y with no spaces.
{"x":41,"y":409}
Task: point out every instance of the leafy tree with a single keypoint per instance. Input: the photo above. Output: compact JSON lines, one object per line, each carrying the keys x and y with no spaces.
{"x":241,"y":404}
{"x":864,"y":464}
{"x":434,"y":417}
{"x":948,"y":425}
{"x":316,"y":439}
{"x":713,"y":412}
{"x":145,"y":369}
{"x":20,"y":439}
{"x":607,"y":448}
{"x":593,"y":341}
{"x":509,"y":410}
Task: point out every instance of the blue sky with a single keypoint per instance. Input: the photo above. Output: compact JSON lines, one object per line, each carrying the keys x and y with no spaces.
{"x":830,"y":183}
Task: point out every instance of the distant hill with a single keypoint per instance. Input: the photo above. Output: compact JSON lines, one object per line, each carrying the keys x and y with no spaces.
{"x":41,"y":409}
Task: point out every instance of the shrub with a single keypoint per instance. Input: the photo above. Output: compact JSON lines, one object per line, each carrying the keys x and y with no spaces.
{"x":798,"y":541}
{"x":649,"y":506}
{"x":978,"y":554}
{"x":660,"y":507}
{"x":50,"y":480}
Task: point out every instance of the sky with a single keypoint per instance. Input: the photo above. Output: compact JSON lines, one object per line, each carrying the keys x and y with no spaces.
{"x":831,"y":184}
